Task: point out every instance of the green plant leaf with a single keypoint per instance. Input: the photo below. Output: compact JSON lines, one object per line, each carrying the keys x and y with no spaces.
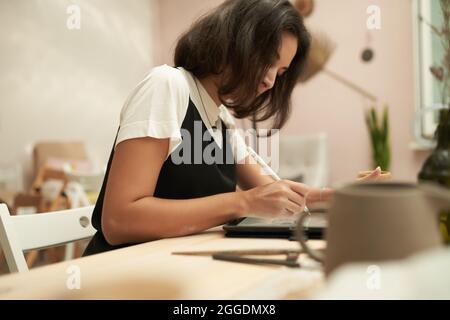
{"x":385,"y":125}
{"x":379,"y":136}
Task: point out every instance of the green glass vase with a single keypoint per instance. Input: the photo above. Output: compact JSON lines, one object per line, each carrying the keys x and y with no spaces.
{"x":437,"y":167}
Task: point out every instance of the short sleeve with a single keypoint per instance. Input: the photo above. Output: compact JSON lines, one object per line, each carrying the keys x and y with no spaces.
{"x":156,"y":107}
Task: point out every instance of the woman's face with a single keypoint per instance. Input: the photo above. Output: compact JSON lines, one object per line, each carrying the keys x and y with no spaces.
{"x":286,"y":53}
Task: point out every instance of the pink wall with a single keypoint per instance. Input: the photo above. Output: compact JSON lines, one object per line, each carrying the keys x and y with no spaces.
{"x":324,"y":105}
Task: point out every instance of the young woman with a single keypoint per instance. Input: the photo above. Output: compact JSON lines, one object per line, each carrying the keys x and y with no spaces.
{"x":243,"y":58}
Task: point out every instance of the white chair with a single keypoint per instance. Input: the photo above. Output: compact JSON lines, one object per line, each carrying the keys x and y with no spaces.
{"x":78,"y":199}
{"x":304,"y":158}
{"x":19,"y":234}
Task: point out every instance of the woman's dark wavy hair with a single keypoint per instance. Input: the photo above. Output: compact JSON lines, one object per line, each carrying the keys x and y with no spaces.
{"x":240,"y":39}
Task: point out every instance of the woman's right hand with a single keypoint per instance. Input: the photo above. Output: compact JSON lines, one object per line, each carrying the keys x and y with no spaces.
{"x":275,"y":199}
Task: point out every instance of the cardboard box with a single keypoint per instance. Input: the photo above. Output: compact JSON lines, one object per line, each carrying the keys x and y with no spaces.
{"x":70,"y":151}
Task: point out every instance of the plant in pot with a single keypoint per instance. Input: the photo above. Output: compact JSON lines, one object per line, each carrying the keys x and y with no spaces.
{"x":379,"y":137}
{"x":437,"y":166}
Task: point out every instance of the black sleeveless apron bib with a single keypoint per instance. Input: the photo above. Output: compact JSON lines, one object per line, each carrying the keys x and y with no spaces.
{"x":179,"y":181}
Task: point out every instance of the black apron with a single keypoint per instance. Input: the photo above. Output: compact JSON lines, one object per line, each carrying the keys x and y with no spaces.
{"x":179,"y":181}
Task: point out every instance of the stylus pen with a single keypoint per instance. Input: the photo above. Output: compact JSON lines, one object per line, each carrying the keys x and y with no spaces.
{"x":266,"y":168}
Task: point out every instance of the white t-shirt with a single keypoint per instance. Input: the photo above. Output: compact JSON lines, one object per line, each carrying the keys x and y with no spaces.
{"x":158,"y":105}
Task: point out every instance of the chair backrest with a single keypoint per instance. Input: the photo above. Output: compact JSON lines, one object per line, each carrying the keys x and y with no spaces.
{"x":67,"y":150}
{"x":19,"y":234}
{"x":305,"y":158}
{"x":28,"y":202}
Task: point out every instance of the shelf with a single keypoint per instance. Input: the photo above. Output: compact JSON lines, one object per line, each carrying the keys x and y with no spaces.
{"x":415,"y":146}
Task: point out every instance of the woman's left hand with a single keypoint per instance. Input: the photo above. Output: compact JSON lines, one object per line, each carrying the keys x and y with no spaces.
{"x":325,"y":194}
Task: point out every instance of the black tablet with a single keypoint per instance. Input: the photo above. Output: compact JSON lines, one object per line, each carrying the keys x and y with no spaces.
{"x":314,"y":227}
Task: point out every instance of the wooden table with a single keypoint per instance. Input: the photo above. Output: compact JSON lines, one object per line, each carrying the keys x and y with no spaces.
{"x":151,"y":271}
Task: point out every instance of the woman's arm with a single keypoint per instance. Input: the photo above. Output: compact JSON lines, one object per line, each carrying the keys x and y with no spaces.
{"x":250,"y":175}
{"x":131,"y":213}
